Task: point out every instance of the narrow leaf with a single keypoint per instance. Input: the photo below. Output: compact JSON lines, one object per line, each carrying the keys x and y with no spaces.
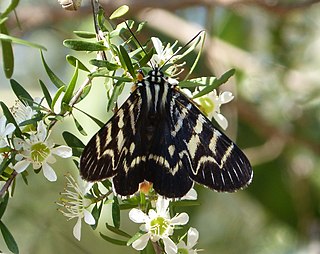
{"x":83,"y":45}
{"x":10,"y":8}
{"x":8,"y":57}
{"x":46,"y":93}
{"x":114,"y":96}
{"x":116,"y":212}
{"x":79,"y":127}
{"x":3,"y":204}
{"x":96,"y":213}
{"x":10,"y":118}
{"x":127,"y":61}
{"x":8,"y":238}
{"x":96,"y":120}
{"x":122,"y":10}
{"x":216,"y":83}
{"x":114,"y":241}
{"x":9,"y":38}
{"x":53,"y":77}
{"x":85,"y":34}
{"x":70,"y":88}
{"x":104,"y":73}
{"x":135,"y":237}
{"x":117,"y":231}
{"x":103,"y":63}
{"x":21,"y":93}
{"x":56,"y":96}
{"x":73,"y":61}
{"x":73,"y":142}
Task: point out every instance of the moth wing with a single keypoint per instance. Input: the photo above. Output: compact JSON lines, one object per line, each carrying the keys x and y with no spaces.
{"x":116,"y":150}
{"x":216,"y":161}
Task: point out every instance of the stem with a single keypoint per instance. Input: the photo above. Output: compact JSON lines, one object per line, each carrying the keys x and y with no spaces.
{"x":6,"y":186}
{"x":157,"y":248}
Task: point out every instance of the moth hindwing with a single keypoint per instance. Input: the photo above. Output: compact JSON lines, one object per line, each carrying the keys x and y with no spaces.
{"x":159,"y":135}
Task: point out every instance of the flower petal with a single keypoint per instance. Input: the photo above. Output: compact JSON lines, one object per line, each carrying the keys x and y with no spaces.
{"x":88,"y":217}
{"x":62,"y":151}
{"x":226,"y":97}
{"x":41,"y":131}
{"x":157,"y":44}
{"x":162,"y":206}
{"x":3,"y":121}
{"x":49,"y":172}
{"x":180,"y":219}
{"x":9,"y":129}
{"x":193,"y":236}
{"x":21,"y":166}
{"x":221,"y":120}
{"x":141,"y":243}
{"x":77,"y":229}
{"x":191,"y":195}
{"x":169,"y":246}
{"x":138,"y":216}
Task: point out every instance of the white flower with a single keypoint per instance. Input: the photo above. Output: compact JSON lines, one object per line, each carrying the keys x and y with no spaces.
{"x":38,"y":151}
{"x":5,"y":131}
{"x":192,"y":239}
{"x":157,"y":225}
{"x":163,"y":54}
{"x":211,"y":103}
{"x":191,"y":195}
{"x":22,"y":112}
{"x":76,"y":204}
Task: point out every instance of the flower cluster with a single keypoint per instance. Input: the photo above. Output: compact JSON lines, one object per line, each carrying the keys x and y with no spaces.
{"x":38,"y":151}
{"x":158,"y":225}
{"x":31,"y":146}
{"x":76,"y":204}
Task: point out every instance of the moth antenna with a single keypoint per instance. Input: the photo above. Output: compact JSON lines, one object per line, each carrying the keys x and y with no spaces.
{"x":137,"y":40}
{"x":186,"y":45}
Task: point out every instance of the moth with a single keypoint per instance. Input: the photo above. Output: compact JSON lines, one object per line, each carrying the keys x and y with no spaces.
{"x":160,"y":135}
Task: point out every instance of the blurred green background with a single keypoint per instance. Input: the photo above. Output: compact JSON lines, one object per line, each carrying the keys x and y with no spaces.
{"x":275,"y":118}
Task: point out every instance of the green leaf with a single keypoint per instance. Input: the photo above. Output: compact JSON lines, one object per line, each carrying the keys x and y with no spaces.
{"x":114,"y":241}
{"x":105,"y":64}
{"x":70,"y":88}
{"x":79,"y":45}
{"x":8,"y":238}
{"x":114,"y":96}
{"x":117,"y":231}
{"x":8,"y":38}
{"x":56,"y":96}
{"x":127,"y":61}
{"x":21,"y":93}
{"x":215,"y":83}
{"x":96,"y":212}
{"x":8,"y":57}
{"x":46,"y":93}
{"x":135,"y":237}
{"x":97,"y":121}
{"x":85,"y":34}
{"x":116,"y":212}
{"x":73,"y":142}
{"x":122,"y":10}
{"x":3,"y":166}
{"x":10,"y":8}
{"x":79,"y":127}
{"x":10,"y":119}
{"x":53,"y":77}
{"x":105,"y":73}
{"x":73,"y":61}
{"x":3,"y":204}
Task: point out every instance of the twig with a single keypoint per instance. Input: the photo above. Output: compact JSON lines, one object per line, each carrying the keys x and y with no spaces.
{"x":8,"y":183}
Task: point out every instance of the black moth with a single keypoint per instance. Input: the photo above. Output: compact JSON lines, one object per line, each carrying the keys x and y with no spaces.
{"x":159,"y":135}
